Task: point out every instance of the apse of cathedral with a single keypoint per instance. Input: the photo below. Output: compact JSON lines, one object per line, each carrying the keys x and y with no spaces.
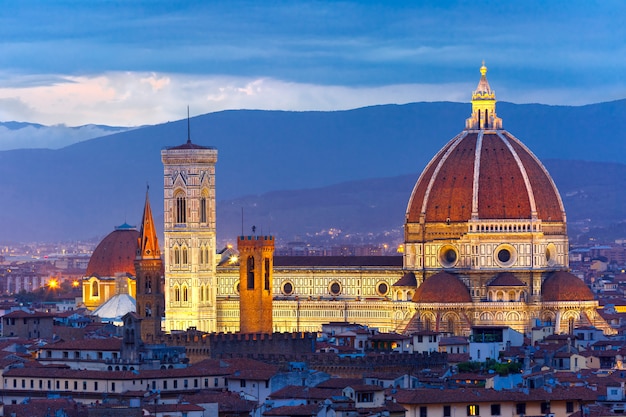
{"x":485,"y":245}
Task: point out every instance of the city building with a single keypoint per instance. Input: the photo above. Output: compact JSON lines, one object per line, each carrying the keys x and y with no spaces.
{"x":485,"y":245}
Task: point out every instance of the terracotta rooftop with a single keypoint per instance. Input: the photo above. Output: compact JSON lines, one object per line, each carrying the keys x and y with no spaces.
{"x":563,"y":286}
{"x":442,"y":287}
{"x":506,"y":279}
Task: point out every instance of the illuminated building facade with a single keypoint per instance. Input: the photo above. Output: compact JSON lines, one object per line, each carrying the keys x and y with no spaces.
{"x":485,"y":244}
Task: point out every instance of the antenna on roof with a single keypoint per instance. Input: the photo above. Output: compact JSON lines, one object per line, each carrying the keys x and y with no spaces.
{"x":188,"y":127}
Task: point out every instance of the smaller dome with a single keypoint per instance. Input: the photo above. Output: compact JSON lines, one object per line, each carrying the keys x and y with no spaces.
{"x":563,"y":286}
{"x":442,"y":287}
{"x":506,"y":279}
{"x":115,"y":254}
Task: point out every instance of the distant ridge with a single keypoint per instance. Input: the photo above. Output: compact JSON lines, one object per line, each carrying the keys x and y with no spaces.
{"x":86,"y":189}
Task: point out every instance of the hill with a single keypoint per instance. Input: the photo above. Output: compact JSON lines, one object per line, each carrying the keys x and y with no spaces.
{"x":85,"y":189}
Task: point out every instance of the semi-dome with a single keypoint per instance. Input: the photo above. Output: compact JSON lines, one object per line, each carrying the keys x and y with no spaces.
{"x":563,"y":286}
{"x":115,"y":254}
{"x":442,"y":287}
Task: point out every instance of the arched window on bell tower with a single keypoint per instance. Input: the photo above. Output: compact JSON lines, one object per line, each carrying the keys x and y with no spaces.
{"x":95,"y":289}
{"x":181,"y":208}
{"x":148,"y":285}
{"x":203,"y":208}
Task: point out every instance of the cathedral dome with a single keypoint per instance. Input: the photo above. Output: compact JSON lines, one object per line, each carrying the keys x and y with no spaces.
{"x":484,"y":176}
{"x":484,"y":173}
{"x":442,"y":287}
{"x":115,"y":254}
{"x":563,"y":286}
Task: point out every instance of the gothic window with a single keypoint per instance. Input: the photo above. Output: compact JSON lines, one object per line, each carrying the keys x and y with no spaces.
{"x":94,"y":289}
{"x":185,"y":295}
{"x":176,"y":256}
{"x":250,"y":271}
{"x":185,"y":256}
{"x":202,"y":261}
{"x":181,"y":209}
{"x":267,"y":274}
{"x":203,"y":208}
{"x":202,"y":293}
{"x":148,"y":310}
{"x":148,"y":284}
{"x":177,"y":294}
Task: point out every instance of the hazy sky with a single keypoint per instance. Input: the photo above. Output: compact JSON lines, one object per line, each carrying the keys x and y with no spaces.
{"x":130,"y":63}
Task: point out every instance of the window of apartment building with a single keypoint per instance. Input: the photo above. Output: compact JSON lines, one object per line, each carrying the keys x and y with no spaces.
{"x":75,"y":385}
{"x":57,"y":385}
{"x":368,"y":397}
{"x":447,"y":411}
{"x":195,"y":383}
{"x":569,"y":407}
{"x":32,"y":383}
{"x":495,"y":409}
{"x":175,"y":383}
{"x":216,"y":382}
{"x":23,"y":383}
{"x":49,"y":386}
{"x":185,"y":383}
{"x":112,"y":386}
{"x":40,"y":384}
{"x":165,"y":384}
{"x":48,"y":353}
{"x":84,"y":385}
{"x":473,"y":410}
{"x":520,"y":408}
{"x":242,"y":383}
{"x":66,"y":355}
{"x":76,"y":355}
{"x":67,"y":384}
{"x":545,"y":407}
{"x":423,"y":411}
{"x":95,"y":385}
{"x":206,"y":382}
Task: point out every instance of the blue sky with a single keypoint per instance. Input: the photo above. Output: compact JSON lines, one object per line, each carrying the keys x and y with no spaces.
{"x":131,"y":63}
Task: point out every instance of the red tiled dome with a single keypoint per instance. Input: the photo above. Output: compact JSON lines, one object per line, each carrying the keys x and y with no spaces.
{"x":115,"y":254}
{"x":442,"y":288}
{"x":493,"y":174}
{"x":563,"y":286}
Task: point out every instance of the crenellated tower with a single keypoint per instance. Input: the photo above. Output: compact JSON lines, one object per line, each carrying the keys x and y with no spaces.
{"x":149,"y":277}
{"x":256,"y":265}
{"x":189,"y":231}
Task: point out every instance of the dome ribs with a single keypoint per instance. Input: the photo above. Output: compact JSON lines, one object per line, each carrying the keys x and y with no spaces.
{"x":547,"y":200}
{"x":502,"y":190}
{"x":450,"y":197}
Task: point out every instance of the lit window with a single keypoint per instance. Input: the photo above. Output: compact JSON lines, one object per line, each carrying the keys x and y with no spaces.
{"x":473,"y":410}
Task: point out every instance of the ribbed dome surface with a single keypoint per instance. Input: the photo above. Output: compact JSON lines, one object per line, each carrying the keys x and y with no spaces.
{"x":115,"y":254}
{"x":563,"y":286}
{"x":490,"y":173}
{"x":442,"y":288}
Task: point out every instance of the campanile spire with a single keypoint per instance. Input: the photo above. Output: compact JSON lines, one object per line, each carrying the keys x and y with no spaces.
{"x":483,"y":106}
{"x":148,"y":245}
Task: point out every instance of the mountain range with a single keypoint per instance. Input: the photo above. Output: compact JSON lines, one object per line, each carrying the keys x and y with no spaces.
{"x":297,"y":174}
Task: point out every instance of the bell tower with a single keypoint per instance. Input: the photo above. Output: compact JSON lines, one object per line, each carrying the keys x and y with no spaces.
{"x":256,"y":265}
{"x":149,"y":277}
{"x":189,"y":231}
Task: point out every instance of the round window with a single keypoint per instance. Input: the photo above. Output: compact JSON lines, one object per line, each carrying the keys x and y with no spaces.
{"x":287,"y":288}
{"x":382,"y":288}
{"x":335,"y":288}
{"x":504,"y":255}
{"x":551,"y":257}
{"x":448,"y":256}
